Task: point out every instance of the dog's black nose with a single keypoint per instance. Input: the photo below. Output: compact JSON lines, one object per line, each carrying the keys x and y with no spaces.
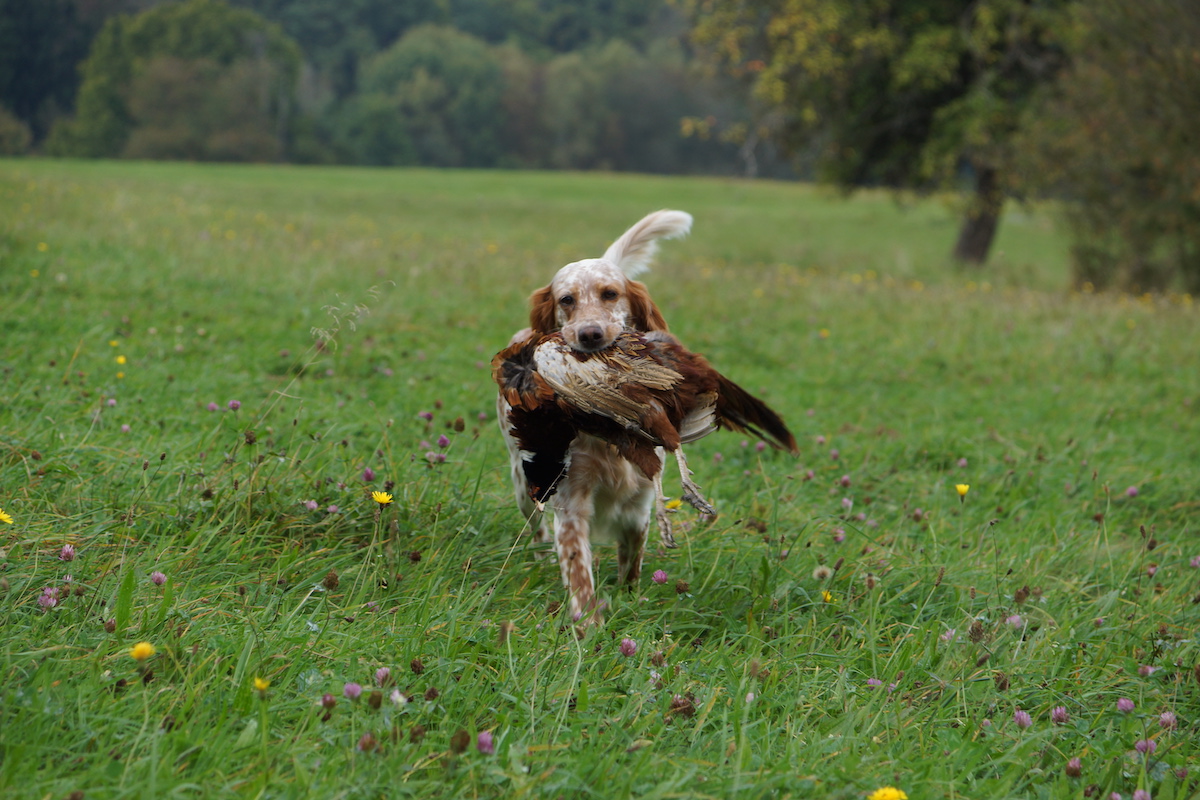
{"x":591,"y":336}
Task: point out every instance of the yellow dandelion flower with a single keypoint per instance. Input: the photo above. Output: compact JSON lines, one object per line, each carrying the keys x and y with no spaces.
{"x":261,"y":684}
{"x":962,"y":489}
{"x":823,"y":333}
{"x":43,"y":247}
{"x":120,"y":375}
{"x":33,"y":273}
{"x":827,"y":596}
{"x":5,"y":517}
{"x":121,"y":359}
{"x":141,"y":651}
{"x":383,"y":498}
{"x":672,"y":505}
{"x":113,"y":343}
{"x":887,"y":793}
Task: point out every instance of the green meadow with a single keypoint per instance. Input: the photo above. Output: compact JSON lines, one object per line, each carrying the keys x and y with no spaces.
{"x":205,"y":371}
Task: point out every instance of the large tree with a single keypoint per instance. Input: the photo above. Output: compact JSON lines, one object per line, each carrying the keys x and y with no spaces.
{"x":915,"y":94}
{"x":1116,"y":137}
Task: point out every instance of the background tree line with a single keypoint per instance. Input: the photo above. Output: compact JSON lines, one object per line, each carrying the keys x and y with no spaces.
{"x":597,"y":84}
{"x":1089,"y":101}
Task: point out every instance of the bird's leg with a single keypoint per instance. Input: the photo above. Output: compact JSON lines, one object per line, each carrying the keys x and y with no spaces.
{"x":665,"y":532}
{"x":691,"y":492}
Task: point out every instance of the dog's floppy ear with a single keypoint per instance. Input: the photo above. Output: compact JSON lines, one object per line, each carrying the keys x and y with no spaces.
{"x":643,"y":314}
{"x":542,"y":316}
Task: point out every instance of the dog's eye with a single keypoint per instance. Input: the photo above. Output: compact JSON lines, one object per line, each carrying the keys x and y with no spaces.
{"x":608,"y":294}
{"x":567,"y":300}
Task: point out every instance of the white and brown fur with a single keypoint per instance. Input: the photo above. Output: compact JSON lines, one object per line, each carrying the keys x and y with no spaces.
{"x":602,"y":496}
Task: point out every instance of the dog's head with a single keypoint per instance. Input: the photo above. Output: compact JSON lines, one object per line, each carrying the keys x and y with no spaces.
{"x":591,"y":302}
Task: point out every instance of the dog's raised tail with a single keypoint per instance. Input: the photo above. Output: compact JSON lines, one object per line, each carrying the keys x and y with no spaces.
{"x":634,"y":251}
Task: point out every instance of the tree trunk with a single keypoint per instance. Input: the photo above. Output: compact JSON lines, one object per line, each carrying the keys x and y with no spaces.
{"x":983,"y":216}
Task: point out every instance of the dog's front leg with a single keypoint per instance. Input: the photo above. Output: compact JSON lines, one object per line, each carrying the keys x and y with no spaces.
{"x":573,"y":546}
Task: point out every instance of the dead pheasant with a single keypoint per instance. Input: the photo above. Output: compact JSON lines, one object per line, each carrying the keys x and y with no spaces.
{"x":643,"y":392}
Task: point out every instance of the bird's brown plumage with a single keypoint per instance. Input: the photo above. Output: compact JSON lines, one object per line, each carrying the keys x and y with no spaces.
{"x":644,"y":391}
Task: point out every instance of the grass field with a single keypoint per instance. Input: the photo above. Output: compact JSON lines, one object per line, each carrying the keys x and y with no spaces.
{"x":847,"y":623}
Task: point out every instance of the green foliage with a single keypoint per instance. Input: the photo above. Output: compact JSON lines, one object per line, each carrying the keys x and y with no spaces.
{"x":197,"y":110}
{"x":237,"y":53}
{"x":549,"y":25}
{"x":899,"y":94}
{"x":446,"y":88}
{"x":370,"y":129}
{"x":1058,"y":402}
{"x":613,"y":107}
{"x":1116,"y":136}
{"x":14,"y":134}
{"x":41,"y":45}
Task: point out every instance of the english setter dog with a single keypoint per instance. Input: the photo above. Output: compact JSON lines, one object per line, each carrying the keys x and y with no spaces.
{"x":602,"y":496}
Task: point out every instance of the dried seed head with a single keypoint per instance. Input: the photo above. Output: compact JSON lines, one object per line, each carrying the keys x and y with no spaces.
{"x":416,"y":733}
{"x":681,"y":586}
{"x":330,"y":581}
{"x":975,"y":634}
{"x":506,"y":628}
{"x":416,"y":666}
{"x":431,"y":694}
{"x":1001,"y":681}
{"x":941,"y":574}
{"x":683,"y":705}
{"x":1021,"y":595}
{"x":460,"y":741}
